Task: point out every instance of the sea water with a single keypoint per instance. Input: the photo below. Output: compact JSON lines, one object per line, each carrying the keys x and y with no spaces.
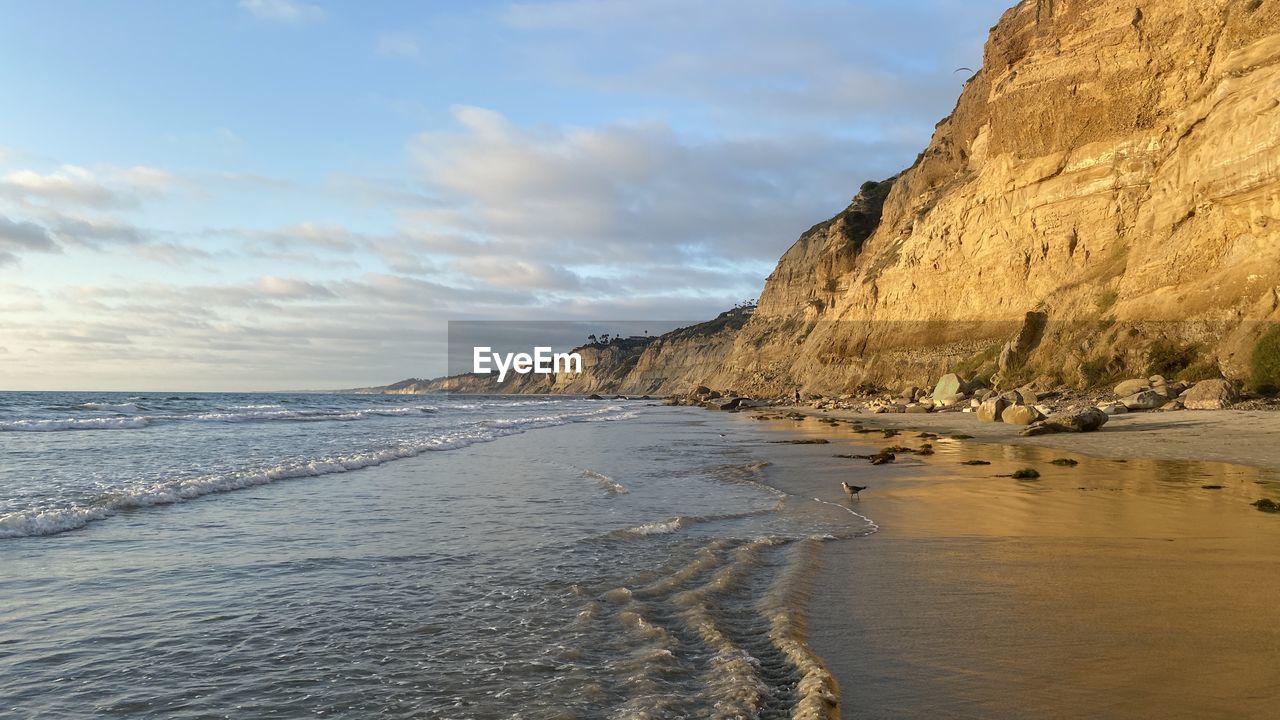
{"x":269,"y":555}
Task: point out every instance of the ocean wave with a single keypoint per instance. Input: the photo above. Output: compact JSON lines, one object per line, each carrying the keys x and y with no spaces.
{"x":260,"y":413}
{"x":61,"y":424}
{"x":51,"y":521}
{"x":606,"y":483}
{"x":108,"y":407}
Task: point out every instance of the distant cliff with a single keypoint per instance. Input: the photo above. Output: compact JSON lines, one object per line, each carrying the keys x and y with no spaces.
{"x":1104,"y":200}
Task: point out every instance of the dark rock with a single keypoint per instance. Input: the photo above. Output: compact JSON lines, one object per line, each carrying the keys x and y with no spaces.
{"x":1266,"y":505}
{"x":1025,"y":474}
{"x":1064,"y":462}
{"x":975,"y":462}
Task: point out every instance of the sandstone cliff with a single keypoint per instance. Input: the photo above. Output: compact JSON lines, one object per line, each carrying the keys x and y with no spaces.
{"x":1106,"y":190}
{"x":1104,"y":198}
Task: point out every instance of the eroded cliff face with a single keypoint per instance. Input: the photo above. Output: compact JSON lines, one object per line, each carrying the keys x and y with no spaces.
{"x":1112,"y":170}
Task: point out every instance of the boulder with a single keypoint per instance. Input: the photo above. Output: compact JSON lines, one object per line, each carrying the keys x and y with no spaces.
{"x":1083,"y":420}
{"x":990,"y":410}
{"x":1210,"y":395}
{"x":950,"y":400}
{"x":1020,"y":415}
{"x":1145,"y":400}
{"x":1157,"y":381}
{"x":700,"y":390}
{"x":948,"y":385}
{"x":1019,"y":397}
{"x":1132,"y":387}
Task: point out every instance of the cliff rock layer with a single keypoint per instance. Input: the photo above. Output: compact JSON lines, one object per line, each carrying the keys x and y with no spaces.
{"x":1107,"y":187}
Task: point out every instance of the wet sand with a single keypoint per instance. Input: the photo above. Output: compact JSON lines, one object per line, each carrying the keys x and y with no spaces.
{"x":1115,"y":588}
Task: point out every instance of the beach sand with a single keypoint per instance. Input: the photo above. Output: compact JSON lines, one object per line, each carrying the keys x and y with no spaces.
{"x":1120,"y":587}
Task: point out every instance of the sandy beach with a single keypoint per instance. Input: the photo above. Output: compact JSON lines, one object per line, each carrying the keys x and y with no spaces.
{"x":1135,"y":583}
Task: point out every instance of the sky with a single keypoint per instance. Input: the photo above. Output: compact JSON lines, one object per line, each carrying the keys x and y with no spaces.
{"x":297,"y":194}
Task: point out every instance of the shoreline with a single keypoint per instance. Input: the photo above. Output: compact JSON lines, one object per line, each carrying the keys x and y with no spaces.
{"x":986,"y":596}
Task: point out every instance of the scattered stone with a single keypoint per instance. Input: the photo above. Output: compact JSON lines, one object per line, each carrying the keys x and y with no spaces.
{"x":882,"y":458}
{"x":975,"y":462}
{"x":890,"y":433}
{"x":1210,"y":395}
{"x":1172,"y":405}
{"x":1268,"y":506}
{"x":1132,"y":387}
{"x":1064,"y":462}
{"x":950,"y":400}
{"x":917,"y":408}
{"x":1025,"y":474}
{"x":1113,"y":409}
{"x":1020,"y":415}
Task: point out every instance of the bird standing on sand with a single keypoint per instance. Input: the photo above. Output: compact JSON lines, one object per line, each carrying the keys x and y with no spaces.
{"x":852,"y":490}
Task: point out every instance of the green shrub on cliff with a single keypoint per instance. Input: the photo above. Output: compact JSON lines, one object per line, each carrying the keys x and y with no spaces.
{"x":1168,"y":358}
{"x":1264,"y":366}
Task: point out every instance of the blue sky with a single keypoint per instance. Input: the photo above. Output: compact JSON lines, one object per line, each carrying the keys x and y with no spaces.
{"x":279,"y":194}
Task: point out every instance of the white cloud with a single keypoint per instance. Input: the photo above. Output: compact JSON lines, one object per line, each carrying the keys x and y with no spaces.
{"x":283,"y":11}
{"x":76,"y":186}
{"x":628,"y":193}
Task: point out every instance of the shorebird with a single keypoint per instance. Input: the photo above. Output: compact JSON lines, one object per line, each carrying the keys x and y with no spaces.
{"x":852,"y":490}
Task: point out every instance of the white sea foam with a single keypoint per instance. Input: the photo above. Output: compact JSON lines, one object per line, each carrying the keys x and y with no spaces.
{"x":120,"y":408}
{"x":60,"y":424}
{"x":50,"y":521}
{"x":247,"y":413}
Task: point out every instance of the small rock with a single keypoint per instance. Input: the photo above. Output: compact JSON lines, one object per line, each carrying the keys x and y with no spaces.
{"x":1113,"y":409}
{"x":593,"y":396}
{"x":917,"y":408}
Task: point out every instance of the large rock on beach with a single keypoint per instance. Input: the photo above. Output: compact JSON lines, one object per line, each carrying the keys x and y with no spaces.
{"x":948,"y":385}
{"x":1132,"y":387}
{"x":1020,"y":415}
{"x":990,"y":410}
{"x":1145,"y":400}
{"x":1211,"y":395}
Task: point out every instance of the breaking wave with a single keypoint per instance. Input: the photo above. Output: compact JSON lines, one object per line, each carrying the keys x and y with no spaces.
{"x":51,"y":521}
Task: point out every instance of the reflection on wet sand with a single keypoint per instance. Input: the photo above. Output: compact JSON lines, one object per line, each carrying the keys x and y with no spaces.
{"x":1117,"y":589}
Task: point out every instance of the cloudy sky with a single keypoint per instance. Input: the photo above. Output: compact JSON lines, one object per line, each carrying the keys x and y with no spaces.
{"x":289,"y":194}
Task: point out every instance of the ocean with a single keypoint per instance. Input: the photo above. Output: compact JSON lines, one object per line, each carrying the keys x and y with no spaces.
{"x":306,"y":555}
